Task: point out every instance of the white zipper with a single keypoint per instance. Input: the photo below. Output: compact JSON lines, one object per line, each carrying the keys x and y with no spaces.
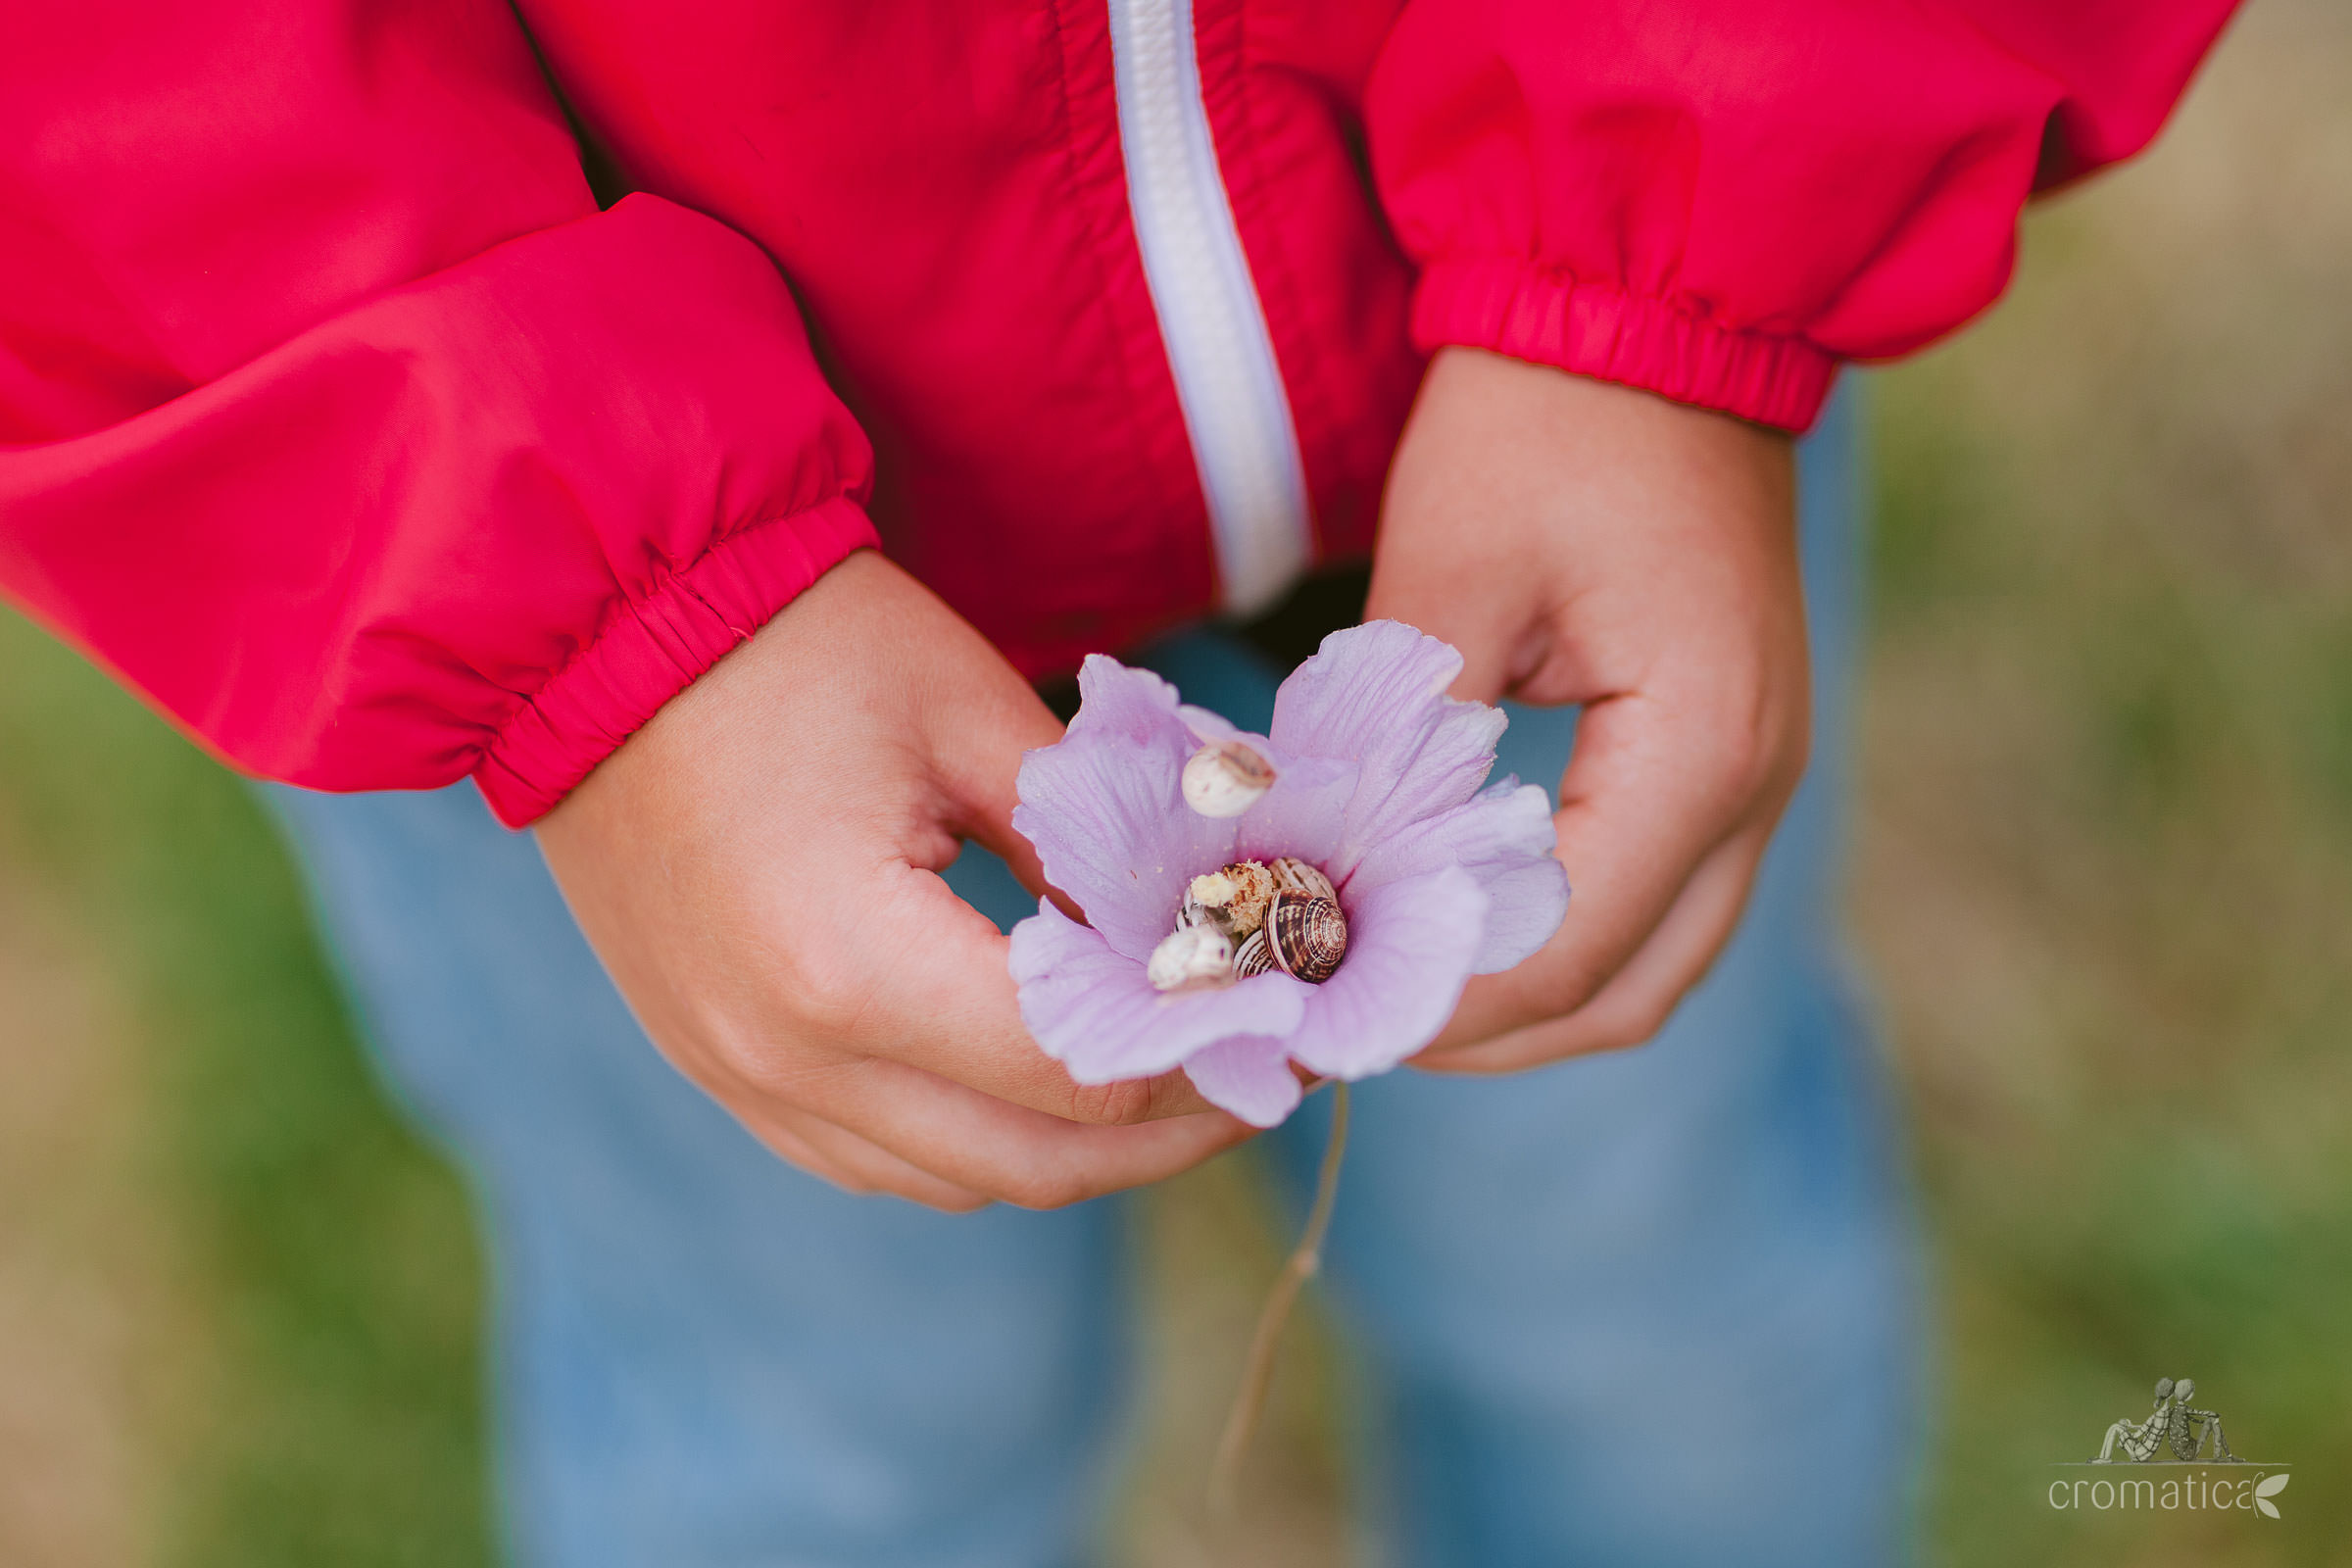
{"x":1227,"y":380}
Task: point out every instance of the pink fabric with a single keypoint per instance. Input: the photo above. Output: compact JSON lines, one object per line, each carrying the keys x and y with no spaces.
{"x":1719,"y":200}
{"x":338,"y":418}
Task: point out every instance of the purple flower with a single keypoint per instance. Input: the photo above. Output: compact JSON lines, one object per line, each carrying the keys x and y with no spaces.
{"x":1377,"y":781}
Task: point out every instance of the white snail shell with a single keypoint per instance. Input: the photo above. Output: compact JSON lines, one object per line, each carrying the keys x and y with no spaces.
{"x":1189,"y":957}
{"x":1306,"y":933}
{"x":1225,"y":779}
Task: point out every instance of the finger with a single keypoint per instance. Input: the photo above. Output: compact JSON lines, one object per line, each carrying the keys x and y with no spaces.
{"x":944,"y":1002}
{"x":955,"y":1012}
{"x":789,"y":1147}
{"x":995,"y":1147}
{"x":854,"y":1165}
{"x":1652,"y":789}
{"x":1637,"y":1001}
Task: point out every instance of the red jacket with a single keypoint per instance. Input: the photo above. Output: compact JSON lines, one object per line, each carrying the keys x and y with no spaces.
{"x":337,"y":418}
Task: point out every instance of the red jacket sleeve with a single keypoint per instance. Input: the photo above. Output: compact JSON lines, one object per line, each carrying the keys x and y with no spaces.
{"x":1720,"y":200}
{"x":335,"y":417}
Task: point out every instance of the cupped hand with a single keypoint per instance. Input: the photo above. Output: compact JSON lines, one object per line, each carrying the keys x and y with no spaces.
{"x":1586,"y":543}
{"x":758,"y":867}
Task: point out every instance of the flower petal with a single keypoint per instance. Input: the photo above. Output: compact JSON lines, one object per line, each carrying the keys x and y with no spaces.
{"x":1104,"y":806}
{"x":1410,"y":945}
{"x":1376,"y":694}
{"x":1303,"y":814}
{"x":1249,"y":1075}
{"x":1115,"y":700}
{"x":1209,"y":727}
{"x":1503,"y":836}
{"x":1092,"y":1010}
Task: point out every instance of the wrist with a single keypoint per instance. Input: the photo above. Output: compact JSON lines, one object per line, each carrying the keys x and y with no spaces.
{"x":761,"y":684}
{"x":656,"y":647}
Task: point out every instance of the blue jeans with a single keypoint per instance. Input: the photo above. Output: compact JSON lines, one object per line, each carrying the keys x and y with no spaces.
{"x":1654,"y":1307}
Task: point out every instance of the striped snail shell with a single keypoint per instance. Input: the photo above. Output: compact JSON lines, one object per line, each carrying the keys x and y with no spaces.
{"x":1306,"y":933}
{"x":1300,"y":877}
{"x":1253,"y":956}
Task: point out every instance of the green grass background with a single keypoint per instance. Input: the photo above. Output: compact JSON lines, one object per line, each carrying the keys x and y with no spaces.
{"x":2103,"y":877}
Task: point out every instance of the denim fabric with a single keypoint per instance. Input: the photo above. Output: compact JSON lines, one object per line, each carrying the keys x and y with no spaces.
{"x":1655,"y":1307}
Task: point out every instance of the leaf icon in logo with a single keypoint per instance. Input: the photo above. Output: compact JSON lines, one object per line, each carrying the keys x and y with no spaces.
{"x":2269,"y":1489}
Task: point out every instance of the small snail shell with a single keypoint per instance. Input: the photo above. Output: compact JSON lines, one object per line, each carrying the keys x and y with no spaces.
{"x":1189,"y":957}
{"x":1296,"y":874}
{"x":1253,"y":957}
{"x":1225,"y":779}
{"x":1308,"y":935}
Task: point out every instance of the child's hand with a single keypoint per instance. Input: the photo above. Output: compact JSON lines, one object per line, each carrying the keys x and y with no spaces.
{"x":756,"y":869}
{"x":1584,"y":543}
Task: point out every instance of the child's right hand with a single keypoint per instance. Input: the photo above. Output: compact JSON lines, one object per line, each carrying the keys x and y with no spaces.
{"x":756,"y":868}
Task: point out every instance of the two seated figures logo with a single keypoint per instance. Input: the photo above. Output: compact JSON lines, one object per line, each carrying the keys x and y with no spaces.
{"x":2177,"y":1427}
{"x":2174,"y":1434}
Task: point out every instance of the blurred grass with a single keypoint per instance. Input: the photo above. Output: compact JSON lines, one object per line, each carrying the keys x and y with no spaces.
{"x":307,"y":1383}
{"x":2104,"y":877}
{"x":2106,"y":861}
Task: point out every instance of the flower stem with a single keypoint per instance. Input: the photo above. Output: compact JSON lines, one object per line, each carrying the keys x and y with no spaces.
{"x":1250,"y":1400}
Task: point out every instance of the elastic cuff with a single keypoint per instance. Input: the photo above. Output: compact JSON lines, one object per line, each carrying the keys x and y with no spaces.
{"x":655,"y":650}
{"x":1520,"y":309}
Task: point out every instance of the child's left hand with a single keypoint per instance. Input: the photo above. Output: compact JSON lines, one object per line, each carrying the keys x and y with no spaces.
{"x":1586,"y":543}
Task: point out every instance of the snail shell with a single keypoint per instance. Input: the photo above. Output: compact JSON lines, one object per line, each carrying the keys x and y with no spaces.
{"x":1253,"y":956}
{"x":1191,"y":958}
{"x":1306,"y":933}
{"x":1300,"y":877}
{"x":1225,"y":779}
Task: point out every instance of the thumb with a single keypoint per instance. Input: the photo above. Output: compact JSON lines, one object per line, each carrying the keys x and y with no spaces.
{"x":1493,"y":620}
{"x":963,"y":975}
{"x":977,"y":763}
